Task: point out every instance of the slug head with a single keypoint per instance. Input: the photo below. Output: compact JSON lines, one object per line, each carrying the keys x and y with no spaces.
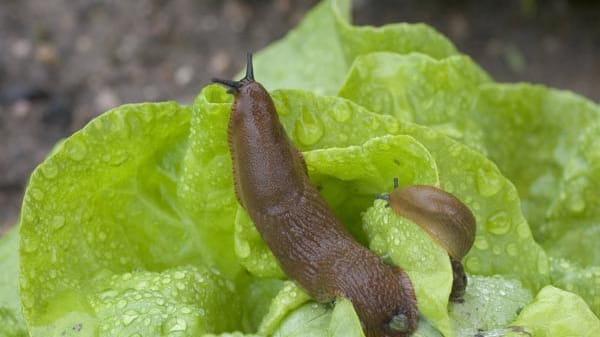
{"x":382,"y":295}
{"x":443,"y":216}
{"x":251,"y":98}
{"x":397,"y":315}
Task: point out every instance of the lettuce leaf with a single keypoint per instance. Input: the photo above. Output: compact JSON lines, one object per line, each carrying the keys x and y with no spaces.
{"x":491,"y":303}
{"x":543,"y":126}
{"x":105,"y":205}
{"x":558,"y":313}
{"x":426,"y":263}
{"x":573,"y":226}
{"x":317,"y":320}
{"x":12,"y":323}
{"x":420,"y":89}
{"x":584,"y":281}
{"x":315,"y":62}
{"x":131,"y":225}
{"x":319,"y":62}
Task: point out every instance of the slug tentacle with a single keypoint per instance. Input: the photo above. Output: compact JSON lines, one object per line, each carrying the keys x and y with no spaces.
{"x":234,"y":86}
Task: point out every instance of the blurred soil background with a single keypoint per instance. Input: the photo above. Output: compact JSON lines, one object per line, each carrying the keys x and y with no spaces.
{"x":63,"y":62}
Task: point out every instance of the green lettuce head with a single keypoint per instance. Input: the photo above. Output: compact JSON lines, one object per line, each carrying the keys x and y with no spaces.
{"x":131,"y":226}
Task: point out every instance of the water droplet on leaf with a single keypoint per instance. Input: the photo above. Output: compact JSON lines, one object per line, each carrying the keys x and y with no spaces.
{"x":473,"y":264}
{"x":309,"y":129}
{"x":512,"y":249}
{"x":488,"y":182}
{"x":340,"y":113}
{"x":175,"y":324}
{"x":36,"y":194}
{"x":57,"y":222}
{"x":498,"y":223}
{"x":392,"y":126}
{"x":76,"y":150}
{"x":481,"y":243}
{"x":49,"y":170}
{"x":242,"y":248}
{"x":129,"y":316}
{"x":30,"y":244}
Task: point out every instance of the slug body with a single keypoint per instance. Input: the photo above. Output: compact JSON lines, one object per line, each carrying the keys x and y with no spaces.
{"x":312,"y":246}
{"x":445,"y":218}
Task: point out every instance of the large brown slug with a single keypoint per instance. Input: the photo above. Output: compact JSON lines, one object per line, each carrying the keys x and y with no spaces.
{"x":445,"y":218}
{"x":312,"y":246}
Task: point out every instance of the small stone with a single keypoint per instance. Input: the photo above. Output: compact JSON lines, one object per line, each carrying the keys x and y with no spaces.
{"x":183,"y":75}
{"x":21,"y":48}
{"x":47,"y":54}
{"x":219,"y":62}
{"x":106,"y":99}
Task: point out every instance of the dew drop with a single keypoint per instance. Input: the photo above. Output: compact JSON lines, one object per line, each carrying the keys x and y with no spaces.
{"x":473,"y":264}
{"x":512,"y":249}
{"x":178,"y":275}
{"x":57,"y":222}
{"x":242,"y":248}
{"x":30,"y":244}
{"x":53,"y":257}
{"x":76,"y":150}
{"x":309,"y":129}
{"x":381,"y":100}
{"x":497,"y":250}
{"x":481,"y":243}
{"x":341,"y":113}
{"x":374,"y":124}
{"x":133,"y":122}
{"x":180,"y":285}
{"x":488,"y":182}
{"x":121,"y":304}
{"x":175,"y":324}
{"x":392,"y":126}
{"x":27,"y":299}
{"x":36,"y":194}
{"x":49,"y":170}
{"x":141,"y":285}
{"x":498,"y":223}
{"x":129,"y":316}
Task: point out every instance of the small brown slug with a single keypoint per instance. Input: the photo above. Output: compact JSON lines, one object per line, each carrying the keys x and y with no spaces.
{"x":445,"y":218}
{"x":312,"y":246}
